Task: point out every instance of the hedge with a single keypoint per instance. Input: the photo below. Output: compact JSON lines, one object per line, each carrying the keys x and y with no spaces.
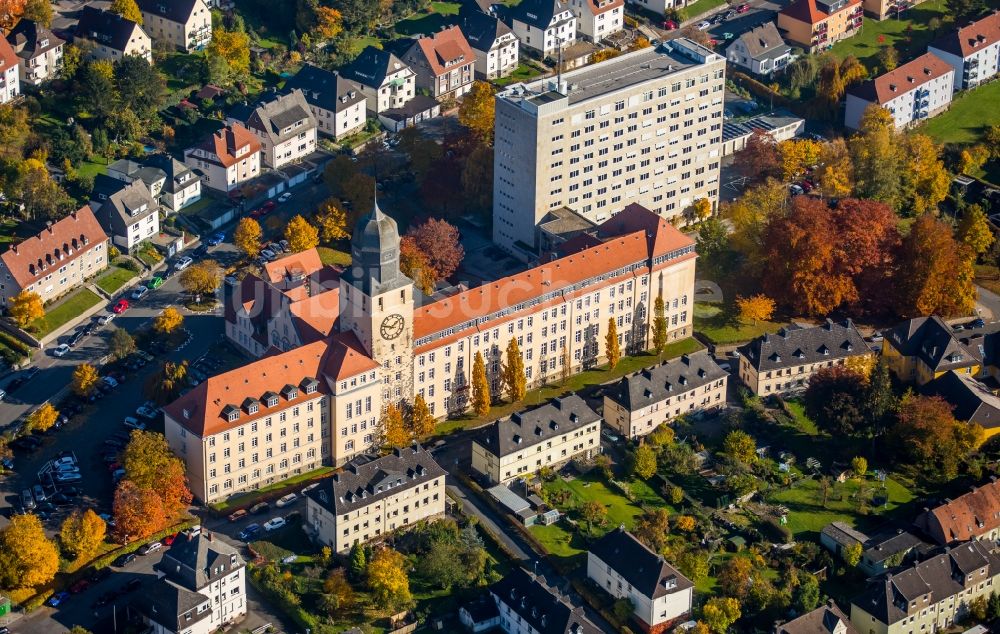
{"x":295,"y":612}
{"x":13,"y":342}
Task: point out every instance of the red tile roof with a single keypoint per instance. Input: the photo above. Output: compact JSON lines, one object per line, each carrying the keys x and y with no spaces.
{"x":305,"y":264}
{"x":903,"y":79}
{"x":974,"y":37}
{"x":807,"y":11}
{"x":8,"y":57}
{"x":39,"y":255}
{"x":316,"y":315}
{"x":967,"y":517}
{"x":446,"y":50}
{"x":225,"y":142}
{"x":597,"y":7}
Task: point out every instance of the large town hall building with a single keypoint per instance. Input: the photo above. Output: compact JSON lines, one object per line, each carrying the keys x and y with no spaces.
{"x":335,"y":346}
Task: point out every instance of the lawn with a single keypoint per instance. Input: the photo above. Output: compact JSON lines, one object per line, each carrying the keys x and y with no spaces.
{"x":524,"y":72}
{"x":113,"y":279}
{"x":702,"y":6}
{"x":720,"y":325}
{"x":92,"y":168}
{"x":252,"y":497}
{"x":8,"y":230}
{"x":970,"y":114}
{"x":430,"y":21}
{"x":988,"y":277}
{"x":803,"y":422}
{"x":71,"y":306}
{"x":910,"y":35}
{"x":333,"y":256}
{"x":359,"y":44}
{"x":149,"y":255}
{"x":585,"y":382}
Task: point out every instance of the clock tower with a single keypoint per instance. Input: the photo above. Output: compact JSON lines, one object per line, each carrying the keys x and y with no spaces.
{"x":376,"y":302}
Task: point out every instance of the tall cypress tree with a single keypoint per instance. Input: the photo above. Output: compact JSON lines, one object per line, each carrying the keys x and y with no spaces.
{"x":659,"y":325}
{"x":481,"y":398}
{"x":514,"y":381}
{"x":613,"y":350}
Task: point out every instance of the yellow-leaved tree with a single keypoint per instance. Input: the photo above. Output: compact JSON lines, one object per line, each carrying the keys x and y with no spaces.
{"x":233,"y":47}
{"x":611,"y":346}
{"x":43,"y":418}
{"x":388,"y":580}
{"x":301,"y":235}
{"x":85,"y":378}
{"x":476,"y":111}
{"x":755,"y":308}
{"x":394,"y":427}
{"x":25,"y":307}
{"x":974,"y":230}
{"x":247,"y":237}
{"x":127,"y":9}
{"x":168,"y":321}
{"x":331,"y":220}
{"x":512,"y":374}
{"x":481,"y":398}
{"x":421,"y":419}
{"x":82,"y":534}
{"x":27,"y":557}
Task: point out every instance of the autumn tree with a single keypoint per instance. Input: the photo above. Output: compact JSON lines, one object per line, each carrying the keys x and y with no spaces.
{"x":85,"y":378}
{"x":121,"y":344}
{"x":859,"y":466}
{"x":836,"y":171}
{"x":202,"y":278}
{"x":611,"y":346}
{"x":925,"y":181}
{"x":740,"y":447}
{"x":972,"y":158}
{"x":935,"y":274}
{"x":735,"y":577}
{"x":685,"y":523}
{"x":27,"y":557}
{"x":593,"y":512}
{"x":834,"y":400}
{"x":43,"y":418}
{"x":328,"y":23}
{"x":877,"y":158}
{"x":755,"y":308}
{"x":331,"y":220}
{"x":797,"y":155}
{"x":388,"y":580}
{"x":888,"y":58}
{"x":929,"y":437}
{"x":701,"y":209}
{"x":713,"y":245}
{"x":165,"y":385}
{"x":25,"y":308}
{"x":439,"y":241}
{"x":415,"y":264}
{"x":512,"y":373}
{"x":396,"y":434}
{"x":301,"y":235}
{"x":232,"y":48}
{"x":247,"y":237}
{"x":168,"y":321}
{"x":644,"y":462}
{"x":719,"y":613}
{"x":127,"y":9}
{"x":750,"y":216}
{"x":652,"y":528}
{"x":760,"y":158}
{"x":476,"y":111}
{"x":82,"y":534}
{"x":149,"y":463}
{"x":974,"y":230}
{"x":138,"y":512}
{"x":867,"y":240}
{"x":481,"y":398}
{"x":659,"y":325}
{"x":852,"y":554}
{"x":39,"y":11}
{"x":421,"y":419}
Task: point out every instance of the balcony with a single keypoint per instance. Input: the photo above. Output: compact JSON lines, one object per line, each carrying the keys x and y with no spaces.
{"x":820,"y":29}
{"x":922,"y":93}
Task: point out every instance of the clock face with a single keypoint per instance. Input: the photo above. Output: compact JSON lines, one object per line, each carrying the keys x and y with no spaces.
{"x":392,"y":326}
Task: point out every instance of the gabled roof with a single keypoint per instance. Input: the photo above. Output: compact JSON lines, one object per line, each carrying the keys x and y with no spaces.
{"x":539,"y":607}
{"x":665,"y":380}
{"x":325,"y":89}
{"x":172,"y":606}
{"x":529,"y":428}
{"x":105,"y":27}
{"x":178,"y":175}
{"x":764,"y":41}
{"x":537,"y":13}
{"x":966,"y":517}
{"x":902,"y":80}
{"x":972,"y":401}
{"x":372,"y":66}
{"x":810,"y":12}
{"x":276,"y":116}
{"x":971,"y":38}
{"x":30,"y":39}
{"x":843,"y":534}
{"x":67,"y":239}
{"x":365,"y":482}
{"x":933,"y":342}
{"x":826,"y":619}
{"x":128,"y":205}
{"x":646,"y":571}
{"x":8,"y":58}
{"x":597,"y":7}
{"x":194,"y":561}
{"x":444,"y":51}
{"x":295,"y":265}
{"x":882,"y":547}
{"x":179,"y":11}
{"x":316,"y":316}
{"x":482,"y":30}
{"x":798,"y":346}
{"x":225,"y":143}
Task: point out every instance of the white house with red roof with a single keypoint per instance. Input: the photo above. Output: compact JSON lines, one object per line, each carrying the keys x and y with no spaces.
{"x":597,"y":19}
{"x":10,"y":82}
{"x":444,"y":63}
{"x":973,"y":51}
{"x":228,"y":159}
{"x":917,"y":90}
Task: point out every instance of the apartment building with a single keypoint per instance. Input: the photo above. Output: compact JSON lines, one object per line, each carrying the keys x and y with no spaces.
{"x":283,"y":124}
{"x":644,"y":128}
{"x":627,"y":569}
{"x":107,"y":35}
{"x":816,"y":25}
{"x":337,"y":104}
{"x":528,"y":606}
{"x":201,"y":587}
{"x":372,"y":497}
{"x":828,"y":619}
{"x":386,"y":81}
{"x":543,"y":26}
{"x":444,"y":63}
{"x":226,"y":160}
{"x":930,"y":595}
{"x":641,"y":402}
{"x":185,"y":25}
{"x":494,"y":44}
{"x":974,"y":515}
{"x":598,"y":19}
{"x":913,"y":92}
{"x":130,"y":216}
{"x":39,"y":52}
{"x":10,"y":80}
{"x":56,"y":260}
{"x":548,"y":436}
{"x":783,"y":362}
{"x":660,"y":7}
{"x":922,"y":349}
{"x":973,"y":51}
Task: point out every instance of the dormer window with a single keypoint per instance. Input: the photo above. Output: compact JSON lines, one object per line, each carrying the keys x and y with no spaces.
{"x":230,"y":413}
{"x":309,"y":386}
{"x":289,"y":392}
{"x":270,"y":399}
{"x":251,"y":406}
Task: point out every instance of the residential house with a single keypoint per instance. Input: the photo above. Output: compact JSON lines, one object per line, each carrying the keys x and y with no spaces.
{"x":837,"y":537}
{"x":283,"y":124}
{"x":817,"y":25}
{"x":929,"y":596}
{"x":56,"y":260}
{"x":39,"y":51}
{"x":371,"y":498}
{"x":130,"y":216}
{"x":922,"y":349}
{"x":181,"y":186}
{"x":107,"y":35}
{"x":627,"y":569}
{"x":127,"y":170}
{"x":660,"y":7}
{"x":337,"y":104}
{"x":480,"y":615}
{"x":883,"y":9}
{"x":760,"y":50}
{"x":201,"y":590}
{"x":548,"y":436}
{"x":598,"y":19}
{"x":386,"y":81}
{"x":885,"y":552}
{"x":917,"y":90}
{"x":494,"y":44}
{"x":10,"y":80}
{"x":543,"y":26}
{"x":973,"y":51}
{"x":972,"y":516}
{"x":782,"y":363}
{"x":228,"y":159}
{"x":185,"y":25}
{"x":527,"y":606}
{"x":971,"y":399}
{"x":640,"y":402}
{"x":444,"y":63}
{"x":826,"y":619}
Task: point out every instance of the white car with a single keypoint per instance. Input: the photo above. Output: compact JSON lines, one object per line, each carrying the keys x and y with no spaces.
{"x":704,"y":25}
{"x":146,"y":412}
{"x":66,"y":468}
{"x":69,"y":477}
{"x":104,"y":320}
{"x":267,"y":254}
{"x":151,"y":547}
{"x":140,"y":292}
{"x":61,"y":350}
{"x":109,"y":381}
{"x":284,"y":198}
{"x":309,"y":488}
{"x":133,"y":423}
{"x":183,"y":263}
{"x":286,"y":500}
{"x":65,"y":460}
{"x":274,"y":524}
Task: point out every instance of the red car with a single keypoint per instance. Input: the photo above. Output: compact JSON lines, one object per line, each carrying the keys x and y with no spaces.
{"x":120,"y":307}
{"x":79,"y":586}
{"x":169,"y":539}
{"x":669,"y":25}
{"x":743,"y":8}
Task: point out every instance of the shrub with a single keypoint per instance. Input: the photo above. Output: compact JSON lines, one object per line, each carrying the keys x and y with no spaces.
{"x":776,"y":531}
{"x":128,"y":264}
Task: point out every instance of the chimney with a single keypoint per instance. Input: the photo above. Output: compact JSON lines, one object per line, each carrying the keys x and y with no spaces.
{"x":208,"y":535}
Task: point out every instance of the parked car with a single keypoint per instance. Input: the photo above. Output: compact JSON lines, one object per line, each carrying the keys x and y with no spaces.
{"x":248,"y":533}
{"x":743,"y":8}
{"x":267,"y":254}
{"x":77,"y":338}
{"x":151,"y":547}
{"x":80,"y":586}
{"x":134,"y":423}
{"x":273,"y":524}
{"x":27,"y":501}
{"x":669,"y":25}
{"x":104,"y":320}
{"x":57,"y":599}
{"x":236,"y":516}
{"x":215,"y":239}
{"x":139,"y":293}
{"x":308,"y":488}
{"x":977,"y":323}
{"x":100,"y":574}
{"x":183,"y":263}
{"x":284,"y":198}
{"x":286,"y":500}
{"x":704,"y":25}
{"x":796,"y":190}
{"x":125,"y":560}
{"x":110,"y":381}
{"x":68,"y":477}
{"x":146,"y":412}
{"x":284,"y":245}
{"x":259,"y":508}
{"x":120,"y":307}
{"x":61,"y":350}
{"x":155,"y":283}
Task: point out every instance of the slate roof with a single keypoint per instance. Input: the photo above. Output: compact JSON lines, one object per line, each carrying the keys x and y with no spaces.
{"x":843,"y":534}
{"x":174,"y":10}
{"x":35,"y":257}
{"x":645,"y":570}
{"x":887,"y":598}
{"x":764,"y":41}
{"x":537,"y":606}
{"x":193,"y":562}
{"x":933,"y":342}
{"x":276,"y":116}
{"x":526,"y":429}
{"x":966,"y":517}
{"x":798,"y":346}
{"x":882,"y":547}
{"x":823,"y":620}
{"x":971,"y":38}
{"x":372,"y":66}
{"x":325,"y":89}
{"x":178,"y":175}
{"x":482,"y":30}
{"x":363,"y":483}
{"x":172,"y":606}
{"x":106,"y":28}
{"x":902,"y":79}
{"x":128,"y":205}
{"x":27,"y":38}
{"x":667,"y":379}
{"x":972,"y":401}
{"x":537,"y":13}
